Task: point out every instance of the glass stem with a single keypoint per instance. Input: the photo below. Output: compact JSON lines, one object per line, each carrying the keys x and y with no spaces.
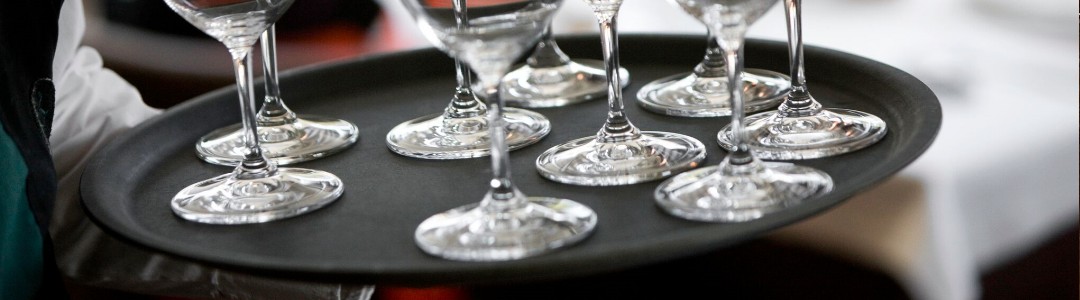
{"x":617,"y":127}
{"x":464,"y":103}
{"x":712,"y":66}
{"x":741,"y":154}
{"x":463,"y":94}
{"x":503,"y":194}
{"x":254,"y":164}
{"x":547,"y":53}
{"x":502,"y":189}
{"x":273,"y":112}
{"x":798,"y":102}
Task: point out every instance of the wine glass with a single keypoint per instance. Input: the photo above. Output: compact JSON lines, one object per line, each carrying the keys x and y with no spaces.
{"x":801,"y":128}
{"x":620,"y":153}
{"x":742,"y":187}
{"x":504,"y":225}
{"x":460,"y":131}
{"x":703,"y":92}
{"x":550,"y":79}
{"x":257,"y":191}
{"x":284,"y":137}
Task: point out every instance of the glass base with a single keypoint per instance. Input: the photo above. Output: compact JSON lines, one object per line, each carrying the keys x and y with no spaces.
{"x":500,"y":231}
{"x":558,"y":86}
{"x":651,"y":156}
{"x":436,"y":137}
{"x":308,"y":138}
{"x":833,"y":131}
{"x":739,"y":193}
{"x":227,"y":199}
{"x":687,"y":95}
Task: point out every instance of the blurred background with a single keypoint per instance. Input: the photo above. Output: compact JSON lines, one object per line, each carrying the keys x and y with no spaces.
{"x":990,"y":211}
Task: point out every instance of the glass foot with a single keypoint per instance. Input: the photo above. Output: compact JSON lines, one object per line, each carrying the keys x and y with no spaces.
{"x":505,"y":231}
{"x":687,"y":95}
{"x":436,"y":137}
{"x":650,"y":156}
{"x":308,"y":138}
{"x":832,"y":131}
{"x":228,"y":199}
{"x":558,"y":86}
{"x":738,"y":193}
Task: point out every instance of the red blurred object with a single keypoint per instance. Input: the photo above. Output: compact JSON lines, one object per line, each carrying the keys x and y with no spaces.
{"x":433,"y":293}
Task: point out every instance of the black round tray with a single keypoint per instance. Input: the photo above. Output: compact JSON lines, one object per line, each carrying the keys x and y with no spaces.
{"x":367,"y":235}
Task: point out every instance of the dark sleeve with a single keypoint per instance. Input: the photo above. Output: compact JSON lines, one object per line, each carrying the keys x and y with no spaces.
{"x":28,"y":33}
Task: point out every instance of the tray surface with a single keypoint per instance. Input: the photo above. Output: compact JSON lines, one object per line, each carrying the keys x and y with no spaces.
{"x":367,"y":235}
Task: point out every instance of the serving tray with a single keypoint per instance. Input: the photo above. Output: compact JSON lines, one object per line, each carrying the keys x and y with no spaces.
{"x":367,"y":235}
